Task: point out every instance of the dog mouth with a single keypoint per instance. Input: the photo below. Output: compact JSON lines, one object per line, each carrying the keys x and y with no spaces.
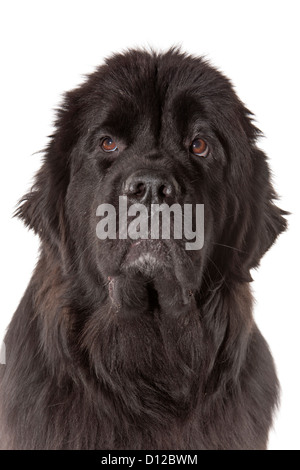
{"x":147,"y":268}
{"x":147,"y":256}
{"x":149,"y":259}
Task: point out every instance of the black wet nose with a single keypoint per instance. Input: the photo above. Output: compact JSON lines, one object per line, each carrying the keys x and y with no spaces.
{"x":151,"y":187}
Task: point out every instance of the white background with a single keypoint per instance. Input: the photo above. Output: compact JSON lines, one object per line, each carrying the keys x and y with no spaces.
{"x":47,"y":47}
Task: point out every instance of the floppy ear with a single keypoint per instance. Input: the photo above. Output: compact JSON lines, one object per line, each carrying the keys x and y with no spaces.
{"x":258,"y":221}
{"x":42,"y":209}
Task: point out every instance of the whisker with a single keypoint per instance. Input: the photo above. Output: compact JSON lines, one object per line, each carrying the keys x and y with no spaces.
{"x":231,"y":247}
{"x":222,"y":276}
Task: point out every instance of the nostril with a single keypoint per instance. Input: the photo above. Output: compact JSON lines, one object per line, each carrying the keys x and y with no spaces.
{"x":165,"y":191}
{"x":138,"y":190}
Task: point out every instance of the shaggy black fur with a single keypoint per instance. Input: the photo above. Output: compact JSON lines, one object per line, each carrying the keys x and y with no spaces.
{"x":109,"y":353}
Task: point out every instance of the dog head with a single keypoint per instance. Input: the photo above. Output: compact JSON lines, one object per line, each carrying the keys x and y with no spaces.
{"x":150,"y":129}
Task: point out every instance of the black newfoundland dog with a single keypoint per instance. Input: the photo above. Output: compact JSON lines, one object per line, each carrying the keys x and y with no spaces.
{"x":119,"y":344}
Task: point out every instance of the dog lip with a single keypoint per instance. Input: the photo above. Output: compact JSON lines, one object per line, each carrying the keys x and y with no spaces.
{"x":136,"y":243}
{"x":146,"y":249}
{"x":146,"y":256}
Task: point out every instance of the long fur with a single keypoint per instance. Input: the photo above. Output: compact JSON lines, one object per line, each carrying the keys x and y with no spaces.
{"x":104,"y":357}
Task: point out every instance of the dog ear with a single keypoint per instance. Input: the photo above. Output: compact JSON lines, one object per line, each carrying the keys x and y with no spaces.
{"x":257,"y":220}
{"x":42,"y":209}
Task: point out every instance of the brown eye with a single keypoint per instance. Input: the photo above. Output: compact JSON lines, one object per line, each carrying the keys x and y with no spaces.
{"x":200,"y":148}
{"x":109,"y":145}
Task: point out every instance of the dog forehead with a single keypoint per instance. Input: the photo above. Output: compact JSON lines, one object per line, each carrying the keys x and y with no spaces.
{"x":139,"y":73}
{"x":147,"y":93}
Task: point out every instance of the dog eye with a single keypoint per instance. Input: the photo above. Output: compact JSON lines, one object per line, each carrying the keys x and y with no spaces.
{"x":109,"y":145}
{"x":200,"y":148}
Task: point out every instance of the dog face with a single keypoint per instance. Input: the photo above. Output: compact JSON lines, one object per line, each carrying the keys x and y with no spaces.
{"x":164,"y":129}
